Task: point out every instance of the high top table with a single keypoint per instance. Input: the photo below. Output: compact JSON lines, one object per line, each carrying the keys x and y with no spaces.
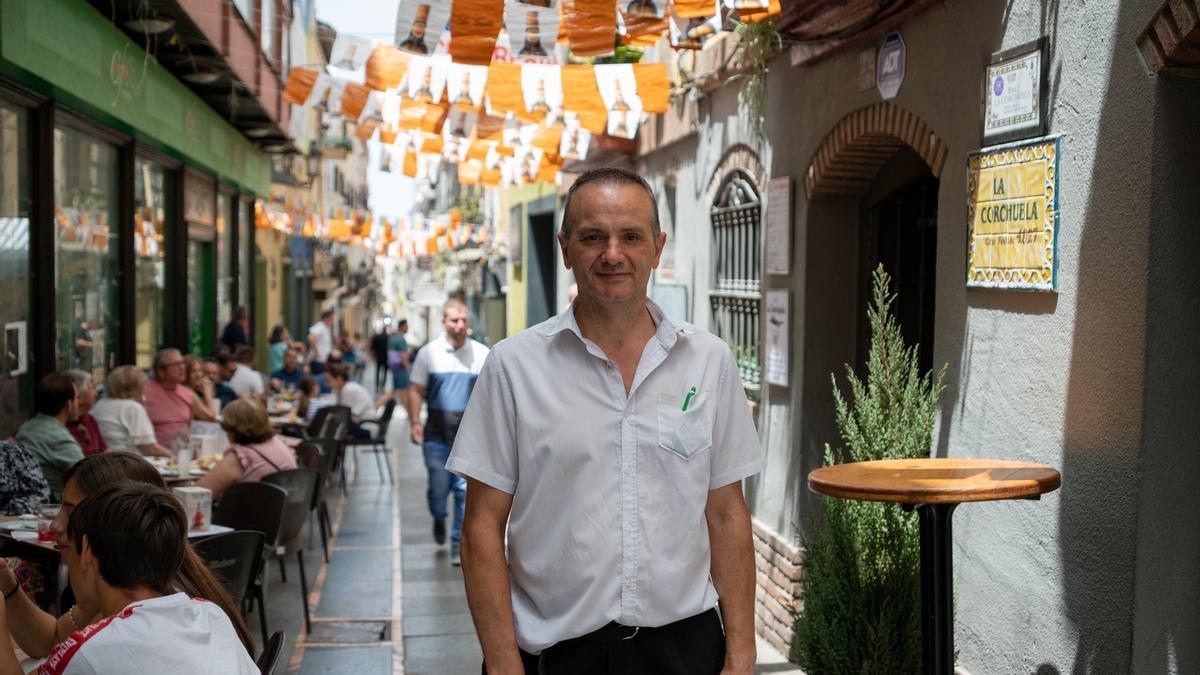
{"x":935,"y":486}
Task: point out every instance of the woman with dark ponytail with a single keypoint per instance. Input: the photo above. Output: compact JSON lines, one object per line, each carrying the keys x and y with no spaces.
{"x":35,"y":631}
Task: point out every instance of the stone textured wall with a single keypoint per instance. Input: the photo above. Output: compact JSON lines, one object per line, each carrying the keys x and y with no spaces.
{"x":777,"y":565}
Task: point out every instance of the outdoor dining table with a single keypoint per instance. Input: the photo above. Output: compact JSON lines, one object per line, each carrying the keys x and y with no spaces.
{"x":934,"y":487}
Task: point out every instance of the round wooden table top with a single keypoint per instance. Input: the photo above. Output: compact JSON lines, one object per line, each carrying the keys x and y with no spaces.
{"x":935,"y":480}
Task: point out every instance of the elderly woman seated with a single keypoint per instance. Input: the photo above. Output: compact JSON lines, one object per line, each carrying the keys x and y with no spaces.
{"x":254,"y":449}
{"x":121,"y":416}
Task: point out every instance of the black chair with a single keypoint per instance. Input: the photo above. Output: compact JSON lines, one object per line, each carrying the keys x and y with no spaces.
{"x":236,"y":558}
{"x":377,"y":441}
{"x":259,"y":507}
{"x":272,"y":650}
{"x":301,"y":486}
{"x":315,"y":455}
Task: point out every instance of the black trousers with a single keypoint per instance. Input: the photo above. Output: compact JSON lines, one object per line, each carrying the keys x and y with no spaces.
{"x":691,"y":646}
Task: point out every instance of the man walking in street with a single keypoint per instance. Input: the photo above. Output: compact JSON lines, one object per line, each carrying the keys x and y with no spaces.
{"x":320,"y":342}
{"x":379,"y":351}
{"x":609,"y":444}
{"x":443,"y":375}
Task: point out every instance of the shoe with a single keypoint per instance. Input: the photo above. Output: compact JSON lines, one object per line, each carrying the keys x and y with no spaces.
{"x":439,"y":531}
{"x":455,"y":558}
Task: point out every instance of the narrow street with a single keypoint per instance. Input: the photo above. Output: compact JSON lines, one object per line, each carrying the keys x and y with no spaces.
{"x":388,"y":601}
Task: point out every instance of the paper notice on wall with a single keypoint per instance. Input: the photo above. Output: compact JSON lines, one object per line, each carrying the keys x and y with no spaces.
{"x":541,"y":86}
{"x":419,"y":24}
{"x":427,"y":78}
{"x":777,"y":342}
{"x":532,"y":31}
{"x":465,"y":85}
{"x":349,"y":52}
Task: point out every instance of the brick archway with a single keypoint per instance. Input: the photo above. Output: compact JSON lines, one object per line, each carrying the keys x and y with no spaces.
{"x":851,"y":155}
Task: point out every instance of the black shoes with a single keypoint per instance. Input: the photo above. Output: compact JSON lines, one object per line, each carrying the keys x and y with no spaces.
{"x":439,"y":531}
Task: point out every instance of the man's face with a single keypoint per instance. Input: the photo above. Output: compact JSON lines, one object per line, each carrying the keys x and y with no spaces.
{"x":454,"y":320}
{"x":172,"y":371}
{"x":289,"y":360}
{"x":213,"y":372}
{"x":327,"y":320}
{"x":85,"y":398}
{"x":611,"y":246}
{"x":335,"y":383}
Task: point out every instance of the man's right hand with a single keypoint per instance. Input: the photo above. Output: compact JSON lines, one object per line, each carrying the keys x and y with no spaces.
{"x":417,"y":433}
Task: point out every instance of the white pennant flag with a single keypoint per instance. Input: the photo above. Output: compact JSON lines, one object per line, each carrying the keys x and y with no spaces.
{"x":465,"y":85}
{"x":419,"y":24}
{"x":542,"y":87}
{"x":532,"y":31}
{"x":427,"y":78}
{"x":349,"y":52}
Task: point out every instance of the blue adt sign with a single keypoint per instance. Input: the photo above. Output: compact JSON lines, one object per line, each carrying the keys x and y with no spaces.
{"x":889,"y":69}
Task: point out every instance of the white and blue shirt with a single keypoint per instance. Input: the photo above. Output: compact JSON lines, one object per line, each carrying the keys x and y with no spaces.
{"x":609,"y":489}
{"x":447,"y":375}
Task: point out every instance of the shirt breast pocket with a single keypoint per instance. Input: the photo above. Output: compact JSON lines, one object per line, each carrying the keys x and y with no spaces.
{"x":686,"y":433}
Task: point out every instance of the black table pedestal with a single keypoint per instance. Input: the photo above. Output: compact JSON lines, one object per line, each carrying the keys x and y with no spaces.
{"x":937,"y":589}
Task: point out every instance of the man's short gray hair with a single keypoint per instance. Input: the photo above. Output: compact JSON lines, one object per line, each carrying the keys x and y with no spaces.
{"x":162,"y":356}
{"x":81,"y":378}
{"x":610,"y":175}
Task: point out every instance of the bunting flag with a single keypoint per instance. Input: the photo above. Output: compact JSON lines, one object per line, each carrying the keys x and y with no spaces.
{"x":465,"y":86}
{"x":690,"y":31}
{"x":541,"y":86}
{"x":590,"y":26}
{"x":758,"y":13}
{"x":386,"y":68}
{"x":419,"y":25}
{"x":532,"y":30}
{"x":618,"y":88}
{"x":299,"y":85}
{"x":474,"y":25}
{"x":349,"y":52}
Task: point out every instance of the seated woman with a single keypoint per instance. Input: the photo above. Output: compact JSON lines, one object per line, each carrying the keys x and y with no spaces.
{"x":310,"y":401}
{"x":203,"y":406}
{"x":254,"y":449}
{"x":121,"y":416}
{"x":35,"y":631}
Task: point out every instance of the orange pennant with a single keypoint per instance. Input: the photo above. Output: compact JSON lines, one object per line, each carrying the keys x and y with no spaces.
{"x":386,"y":67}
{"x":354,"y":99}
{"x":469,"y":172}
{"x":366,"y":130}
{"x":582,"y":95}
{"x":591,"y":26}
{"x":434,"y":118}
{"x":474,"y":26}
{"x":410,"y":164}
{"x":695,"y":9}
{"x":490,"y":177}
{"x":756,"y":15}
{"x":299,"y":85}
{"x":504,"y":87}
{"x":548,"y":138}
{"x":653,"y":86}
{"x":432,"y":145}
{"x":387,"y":135}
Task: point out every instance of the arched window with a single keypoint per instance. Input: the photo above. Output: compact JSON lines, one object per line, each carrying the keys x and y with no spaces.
{"x":736,"y":294}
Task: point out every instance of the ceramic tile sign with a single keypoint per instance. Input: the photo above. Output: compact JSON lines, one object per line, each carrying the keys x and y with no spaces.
{"x":777,"y":341}
{"x":1012,"y":216}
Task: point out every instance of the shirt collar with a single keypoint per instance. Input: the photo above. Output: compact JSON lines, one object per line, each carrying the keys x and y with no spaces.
{"x":666,"y":330}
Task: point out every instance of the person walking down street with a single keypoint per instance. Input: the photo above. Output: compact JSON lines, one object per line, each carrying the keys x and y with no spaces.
{"x":237,"y":331}
{"x":609,"y":443}
{"x":46,"y":435}
{"x":320,"y":342}
{"x":379,"y":352}
{"x":397,"y":358}
{"x":84,"y":427}
{"x":442,"y":376}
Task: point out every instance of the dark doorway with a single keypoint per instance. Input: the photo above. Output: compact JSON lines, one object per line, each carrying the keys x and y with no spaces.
{"x":900,"y":232}
{"x":540,"y":269}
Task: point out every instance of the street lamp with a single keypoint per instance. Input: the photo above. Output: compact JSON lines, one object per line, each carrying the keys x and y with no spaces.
{"x":313,"y":163}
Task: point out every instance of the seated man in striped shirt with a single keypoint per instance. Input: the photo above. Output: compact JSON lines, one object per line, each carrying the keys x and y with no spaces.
{"x":123,"y":547}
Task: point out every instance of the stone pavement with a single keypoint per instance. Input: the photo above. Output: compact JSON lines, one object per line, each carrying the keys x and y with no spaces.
{"x":389,"y":601}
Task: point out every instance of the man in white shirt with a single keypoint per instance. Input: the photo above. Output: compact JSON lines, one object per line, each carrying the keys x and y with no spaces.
{"x":320,"y":342}
{"x":442,"y":377}
{"x":246,"y":381}
{"x":352,"y":395}
{"x":123,"y":548}
{"x":609,"y":444}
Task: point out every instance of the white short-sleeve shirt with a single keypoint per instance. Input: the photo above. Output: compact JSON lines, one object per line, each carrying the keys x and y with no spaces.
{"x":356,"y":397}
{"x":324,"y":342}
{"x":171,"y":634}
{"x":607,"y":520}
{"x":246,"y":380}
{"x":123,"y":423}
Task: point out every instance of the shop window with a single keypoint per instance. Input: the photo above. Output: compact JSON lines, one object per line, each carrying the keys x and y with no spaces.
{"x":149,"y":240}
{"x":15,"y":377}
{"x":736,"y":297}
{"x":225,"y":258}
{"x":199,"y":296}
{"x":246,"y":9}
{"x":86,"y":240}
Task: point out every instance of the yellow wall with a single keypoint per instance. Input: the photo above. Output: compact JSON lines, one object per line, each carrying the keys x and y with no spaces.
{"x":516,"y":273}
{"x":270,"y":247}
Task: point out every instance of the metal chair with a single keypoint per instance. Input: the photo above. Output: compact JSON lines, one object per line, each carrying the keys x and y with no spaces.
{"x":272,"y":650}
{"x":236,"y":558}
{"x":259,"y":507}
{"x":301,"y":486}
{"x":377,"y":441}
{"x":318,"y":455}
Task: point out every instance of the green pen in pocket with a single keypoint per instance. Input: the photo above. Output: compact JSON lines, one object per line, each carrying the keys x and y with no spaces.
{"x":687,"y":400}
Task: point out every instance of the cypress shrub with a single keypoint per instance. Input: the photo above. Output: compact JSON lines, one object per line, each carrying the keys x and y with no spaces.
{"x":861,"y":591}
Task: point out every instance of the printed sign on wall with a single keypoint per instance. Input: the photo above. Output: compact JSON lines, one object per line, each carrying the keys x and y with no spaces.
{"x":1012,"y":216}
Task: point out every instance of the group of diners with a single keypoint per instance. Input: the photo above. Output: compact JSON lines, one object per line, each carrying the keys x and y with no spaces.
{"x":144,"y":600}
